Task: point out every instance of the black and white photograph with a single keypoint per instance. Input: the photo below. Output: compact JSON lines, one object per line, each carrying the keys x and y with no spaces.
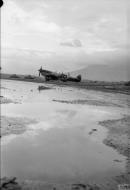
{"x":65,"y":95}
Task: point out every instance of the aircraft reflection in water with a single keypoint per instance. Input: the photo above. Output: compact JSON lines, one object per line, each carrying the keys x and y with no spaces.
{"x":49,"y":75}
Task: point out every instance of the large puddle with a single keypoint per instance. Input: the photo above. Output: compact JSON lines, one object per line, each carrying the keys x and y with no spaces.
{"x":60,"y":147}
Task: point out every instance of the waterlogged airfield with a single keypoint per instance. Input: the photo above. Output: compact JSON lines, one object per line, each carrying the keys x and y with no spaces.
{"x":65,"y":144}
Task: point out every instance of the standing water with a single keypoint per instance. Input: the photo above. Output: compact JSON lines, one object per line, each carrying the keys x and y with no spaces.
{"x":60,"y":146}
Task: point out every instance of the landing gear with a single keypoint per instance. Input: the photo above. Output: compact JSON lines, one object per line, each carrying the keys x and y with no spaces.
{"x":47,"y":78}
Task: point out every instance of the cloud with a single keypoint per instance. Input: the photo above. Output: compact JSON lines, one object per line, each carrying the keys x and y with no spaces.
{"x":44,"y":24}
{"x":73,"y":30}
{"x":72,"y":43}
{"x":28,"y":62}
{"x":9,"y":53}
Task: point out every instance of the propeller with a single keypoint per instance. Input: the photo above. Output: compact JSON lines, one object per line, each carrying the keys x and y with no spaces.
{"x":40,"y":71}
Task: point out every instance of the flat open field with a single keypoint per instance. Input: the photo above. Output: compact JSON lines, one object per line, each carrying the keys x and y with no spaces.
{"x":57,"y":136}
{"x":115,"y":87}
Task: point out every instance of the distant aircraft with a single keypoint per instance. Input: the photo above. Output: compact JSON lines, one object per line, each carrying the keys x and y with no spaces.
{"x":49,"y":75}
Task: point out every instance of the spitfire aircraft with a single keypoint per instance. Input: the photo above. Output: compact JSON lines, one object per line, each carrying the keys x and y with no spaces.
{"x":49,"y":75}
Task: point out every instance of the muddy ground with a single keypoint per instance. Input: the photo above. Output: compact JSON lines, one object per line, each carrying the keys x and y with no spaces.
{"x":4,"y":100}
{"x":14,"y":125}
{"x":119,"y":134}
{"x":114,"y":87}
{"x":118,"y":138}
{"x":88,"y":102}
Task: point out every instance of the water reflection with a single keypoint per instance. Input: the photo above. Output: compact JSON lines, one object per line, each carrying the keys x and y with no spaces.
{"x":60,"y":147}
{"x":57,"y":155}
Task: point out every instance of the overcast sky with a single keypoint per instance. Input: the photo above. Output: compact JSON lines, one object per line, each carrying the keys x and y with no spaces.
{"x":63,"y":34}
